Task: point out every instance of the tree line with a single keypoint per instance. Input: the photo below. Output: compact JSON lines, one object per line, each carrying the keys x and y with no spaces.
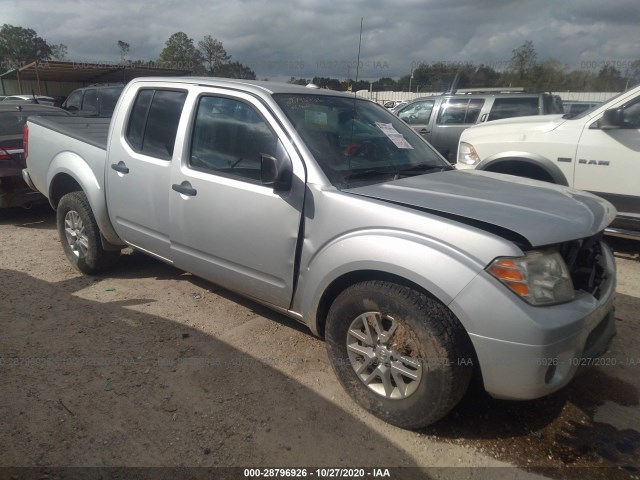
{"x":522,"y":70}
{"x":208,"y":56}
{"x":20,"y":46}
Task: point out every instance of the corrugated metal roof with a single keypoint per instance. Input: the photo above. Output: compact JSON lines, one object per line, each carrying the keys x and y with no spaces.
{"x":46,"y":70}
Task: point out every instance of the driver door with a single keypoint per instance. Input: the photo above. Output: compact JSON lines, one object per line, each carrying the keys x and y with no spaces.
{"x":419,"y":115}
{"x":226,"y":226}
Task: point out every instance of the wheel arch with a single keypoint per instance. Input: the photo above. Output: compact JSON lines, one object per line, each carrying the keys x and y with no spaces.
{"x":61,"y":184}
{"x":70,"y":173}
{"x":346,"y":280}
{"x":511,"y":162}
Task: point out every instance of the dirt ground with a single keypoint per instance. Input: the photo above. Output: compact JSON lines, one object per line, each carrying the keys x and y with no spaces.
{"x":149,"y":366}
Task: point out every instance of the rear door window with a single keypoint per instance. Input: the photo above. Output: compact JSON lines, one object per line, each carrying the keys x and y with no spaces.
{"x":153,"y":123}
{"x":460,"y":111}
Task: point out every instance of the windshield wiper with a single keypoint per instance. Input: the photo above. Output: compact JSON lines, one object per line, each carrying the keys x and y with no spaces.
{"x":397,"y":173}
{"x":369,"y":173}
{"x":422,"y":169}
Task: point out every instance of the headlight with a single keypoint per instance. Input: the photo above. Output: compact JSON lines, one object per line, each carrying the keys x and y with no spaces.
{"x":540,"y":278}
{"x":467,"y":155}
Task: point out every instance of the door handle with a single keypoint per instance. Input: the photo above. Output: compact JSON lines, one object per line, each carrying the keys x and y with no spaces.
{"x":423,"y":131}
{"x":185,"y":188}
{"x":120,"y":167}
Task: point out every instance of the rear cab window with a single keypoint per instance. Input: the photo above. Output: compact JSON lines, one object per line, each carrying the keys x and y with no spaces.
{"x":90,"y":101}
{"x":107,"y":99}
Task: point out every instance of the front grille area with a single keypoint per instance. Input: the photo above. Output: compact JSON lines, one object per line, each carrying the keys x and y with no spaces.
{"x":584,"y":261}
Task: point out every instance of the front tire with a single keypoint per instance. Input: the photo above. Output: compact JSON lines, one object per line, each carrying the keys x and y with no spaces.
{"x":399,"y":353}
{"x":80,"y":235}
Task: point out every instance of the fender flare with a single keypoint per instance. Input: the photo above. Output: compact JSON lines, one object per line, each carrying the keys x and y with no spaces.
{"x":431,"y":265}
{"x":72,"y":165}
{"x":528,"y":158}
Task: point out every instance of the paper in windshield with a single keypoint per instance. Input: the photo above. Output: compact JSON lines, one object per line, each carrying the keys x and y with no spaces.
{"x":396,"y":137}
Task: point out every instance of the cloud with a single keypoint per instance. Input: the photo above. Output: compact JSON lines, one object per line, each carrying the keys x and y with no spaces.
{"x":307,"y":38}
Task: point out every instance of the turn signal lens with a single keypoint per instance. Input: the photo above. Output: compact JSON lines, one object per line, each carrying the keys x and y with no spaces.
{"x":467,"y":155}
{"x":540,"y":278}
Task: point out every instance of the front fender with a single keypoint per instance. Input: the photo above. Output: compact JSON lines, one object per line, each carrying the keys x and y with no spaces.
{"x":435,"y":266}
{"x":71,"y":165}
{"x":525,"y":157}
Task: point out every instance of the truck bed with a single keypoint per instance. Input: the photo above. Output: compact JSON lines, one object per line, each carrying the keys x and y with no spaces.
{"x":93,"y":131}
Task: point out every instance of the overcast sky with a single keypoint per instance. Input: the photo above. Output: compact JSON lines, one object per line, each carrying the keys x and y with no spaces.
{"x":304,"y":38}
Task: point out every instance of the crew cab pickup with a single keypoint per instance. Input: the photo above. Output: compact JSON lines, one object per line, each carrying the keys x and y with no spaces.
{"x":333,"y":211}
{"x":597,"y":150}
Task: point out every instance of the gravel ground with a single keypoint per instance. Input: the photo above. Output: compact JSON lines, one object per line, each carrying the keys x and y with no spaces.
{"x":151,"y":366}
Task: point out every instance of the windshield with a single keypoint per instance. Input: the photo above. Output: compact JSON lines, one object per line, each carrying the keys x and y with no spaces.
{"x":595,"y":107}
{"x":358,"y":142}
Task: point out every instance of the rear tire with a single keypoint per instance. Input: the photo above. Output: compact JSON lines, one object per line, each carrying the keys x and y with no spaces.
{"x":399,"y":353}
{"x":80,"y":235}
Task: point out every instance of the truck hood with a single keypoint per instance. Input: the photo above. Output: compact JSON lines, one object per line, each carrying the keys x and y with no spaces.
{"x":540,"y":123}
{"x":541,"y":213}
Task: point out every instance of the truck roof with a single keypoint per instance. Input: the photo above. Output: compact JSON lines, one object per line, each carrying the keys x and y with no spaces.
{"x":254,"y":86}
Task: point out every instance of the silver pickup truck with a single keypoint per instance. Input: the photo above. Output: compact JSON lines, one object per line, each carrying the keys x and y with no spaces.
{"x":333,"y":211}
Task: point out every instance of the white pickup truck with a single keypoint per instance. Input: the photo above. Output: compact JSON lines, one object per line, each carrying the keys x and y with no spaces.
{"x":597,"y":151}
{"x":333,"y":211}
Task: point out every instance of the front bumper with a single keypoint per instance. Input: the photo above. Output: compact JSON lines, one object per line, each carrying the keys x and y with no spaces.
{"x":526,"y":352}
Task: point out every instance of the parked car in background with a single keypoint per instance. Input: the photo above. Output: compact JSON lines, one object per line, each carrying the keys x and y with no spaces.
{"x":398,"y":107}
{"x":391,"y":104}
{"x":441,"y":119}
{"x":14,"y":192}
{"x":597,"y":150}
{"x":36,"y":99}
{"x":573,"y":107}
{"x":333,"y":211}
{"x":94,"y":101}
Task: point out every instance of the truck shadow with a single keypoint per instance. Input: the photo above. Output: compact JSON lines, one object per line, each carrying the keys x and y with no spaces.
{"x":553,"y":432}
{"x":545,"y":434}
{"x":40,"y":216}
{"x":96,"y":384}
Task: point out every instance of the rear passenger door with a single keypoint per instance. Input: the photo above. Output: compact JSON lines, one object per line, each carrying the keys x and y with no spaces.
{"x":226,"y":226}
{"x":454,"y":115}
{"x":138,"y":168}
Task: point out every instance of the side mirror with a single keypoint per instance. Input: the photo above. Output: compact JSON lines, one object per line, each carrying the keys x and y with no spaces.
{"x":612,"y":118}
{"x":276,"y":172}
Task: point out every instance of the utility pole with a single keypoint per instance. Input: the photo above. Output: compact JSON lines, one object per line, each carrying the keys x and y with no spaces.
{"x":410,"y":77}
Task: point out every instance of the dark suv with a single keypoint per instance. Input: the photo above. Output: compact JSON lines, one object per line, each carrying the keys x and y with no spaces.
{"x":94,"y":101}
{"x":14,"y":192}
{"x":441,"y":119}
